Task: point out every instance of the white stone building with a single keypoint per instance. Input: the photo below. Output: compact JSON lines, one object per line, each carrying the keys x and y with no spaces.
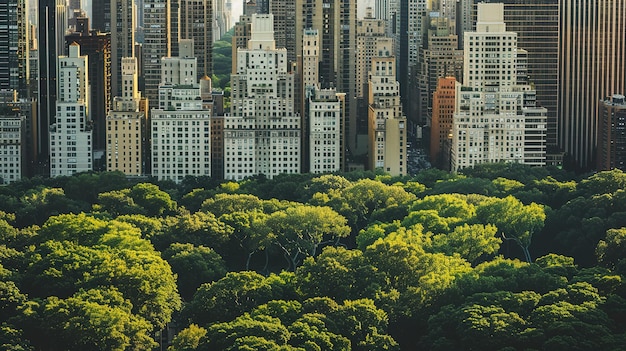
{"x":181,"y":127}
{"x":71,"y":132}
{"x":326,"y":116}
{"x":496,"y":118}
{"x":11,"y":147}
{"x":262,"y":134}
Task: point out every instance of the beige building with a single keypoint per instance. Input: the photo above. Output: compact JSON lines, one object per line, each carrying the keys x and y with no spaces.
{"x":126,"y":123}
{"x":387,"y":124}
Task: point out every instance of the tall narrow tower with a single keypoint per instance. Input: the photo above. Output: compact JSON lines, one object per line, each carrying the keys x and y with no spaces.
{"x":52,"y":24}
{"x":591,"y":68}
{"x":123,"y":24}
{"x":14,"y":50}
{"x":70,"y":134}
{"x":196,"y":23}
{"x":157,"y":44}
{"x":335,"y":22}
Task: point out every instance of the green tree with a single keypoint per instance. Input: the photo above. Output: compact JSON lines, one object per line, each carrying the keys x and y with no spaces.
{"x":516,"y":221}
{"x":338,"y":273}
{"x":188,"y":339}
{"x":469,"y":241}
{"x":611,"y":251}
{"x":155,"y":201}
{"x":96,"y":319}
{"x":232,"y":296}
{"x":300,"y":230}
{"x":194,"y":265}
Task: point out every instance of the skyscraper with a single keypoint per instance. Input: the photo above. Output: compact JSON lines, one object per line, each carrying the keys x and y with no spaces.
{"x":196,"y":18}
{"x":97,"y":47}
{"x":387,"y":124}
{"x":52,"y":23}
{"x":102,"y":15}
{"x":592,"y":67}
{"x":612,"y":134}
{"x":537,"y":26}
{"x":262,"y":132}
{"x":284,"y":12}
{"x":14,"y":49}
{"x":181,"y":126}
{"x":444,"y":100}
{"x":127,"y":144}
{"x":71,"y":135}
{"x":335,"y":22}
{"x":495,"y":118}
{"x":157,"y":44}
{"x":123,"y":24}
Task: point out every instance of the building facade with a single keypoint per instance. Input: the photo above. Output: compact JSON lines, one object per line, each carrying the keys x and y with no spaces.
{"x":14,"y":46}
{"x":157,"y":44}
{"x":71,"y":141}
{"x":126,"y":126}
{"x":325,"y":137}
{"x":123,"y":26}
{"x":611,"y":152}
{"x":537,"y":26}
{"x":52,"y":23}
{"x":97,"y":47}
{"x":181,"y":126}
{"x":444,"y":100}
{"x":591,"y":68}
{"x":12,"y":137}
{"x":496,"y":119}
{"x":262,"y":134}
{"x":387,"y":124}
{"x":196,"y":17}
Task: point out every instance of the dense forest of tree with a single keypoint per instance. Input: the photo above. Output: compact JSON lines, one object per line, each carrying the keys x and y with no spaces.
{"x":500,"y":257}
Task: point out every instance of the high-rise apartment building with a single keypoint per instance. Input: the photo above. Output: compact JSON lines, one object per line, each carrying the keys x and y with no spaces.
{"x":97,"y":47}
{"x":439,"y":57}
{"x":181,"y":126}
{"x":123,"y":25}
{"x":71,"y":134}
{"x":221,"y":18}
{"x":387,"y":10}
{"x":262,"y":132}
{"x":52,"y":24}
{"x":157,"y":44}
{"x":612,"y":134}
{"x":196,"y":17}
{"x":444,"y":100}
{"x":284,"y":12}
{"x":409,"y":36}
{"x":326,"y":109}
{"x":335,"y":22}
{"x":371,"y":42}
{"x":23,"y":109}
{"x":102,"y":14}
{"x":126,"y":125}
{"x":496,"y":118}
{"x":12,"y":146}
{"x":537,"y":26}
{"x":591,"y":67}
{"x":14,"y":46}
{"x":387,"y":124}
